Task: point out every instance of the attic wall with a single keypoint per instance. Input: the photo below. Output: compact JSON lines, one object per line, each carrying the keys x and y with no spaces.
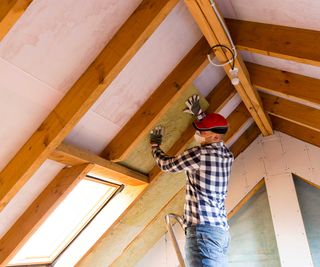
{"x":275,"y":155}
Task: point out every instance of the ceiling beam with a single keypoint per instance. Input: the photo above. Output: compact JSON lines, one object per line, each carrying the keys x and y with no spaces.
{"x":295,"y":130}
{"x":39,"y":210}
{"x":156,"y":228}
{"x":285,"y":84}
{"x":158,"y":103}
{"x":300,"y":114}
{"x":147,"y":204}
{"x":82,"y":95}
{"x":70,"y":155}
{"x":278,"y":41}
{"x":10,"y":12}
{"x":213,"y":31}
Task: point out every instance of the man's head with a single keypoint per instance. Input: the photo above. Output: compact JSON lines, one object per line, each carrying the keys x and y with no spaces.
{"x":211,"y":129}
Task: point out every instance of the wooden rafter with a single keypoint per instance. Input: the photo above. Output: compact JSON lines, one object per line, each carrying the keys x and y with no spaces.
{"x":300,"y":114}
{"x":10,"y":12}
{"x":297,"y":131}
{"x":119,"y":232}
{"x":169,"y":90}
{"x":39,"y":210}
{"x":145,"y":240}
{"x":212,"y":29}
{"x":70,"y":155}
{"x":82,"y":95}
{"x":289,"y":85}
{"x":278,"y":41}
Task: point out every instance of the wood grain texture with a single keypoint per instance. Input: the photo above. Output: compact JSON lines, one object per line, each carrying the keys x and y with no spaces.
{"x":289,"y":85}
{"x":300,"y":114}
{"x":70,"y":155}
{"x":277,"y":41}
{"x":82,"y":95}
{"x":297,"y":131}
{"x":213,"y":31}
{"x":10,"y":12}
{"x":169,"y":90}
{"x":39,"y":210}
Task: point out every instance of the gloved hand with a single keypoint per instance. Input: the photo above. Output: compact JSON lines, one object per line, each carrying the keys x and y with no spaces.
{"x":193,"y":107}
{"x":156,"y":136}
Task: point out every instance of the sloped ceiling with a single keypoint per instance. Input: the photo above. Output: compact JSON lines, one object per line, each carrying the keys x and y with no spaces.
{"x":52,"y":44}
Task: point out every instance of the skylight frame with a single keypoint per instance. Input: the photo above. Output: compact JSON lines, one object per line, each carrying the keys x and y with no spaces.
{"x":74,"y":235}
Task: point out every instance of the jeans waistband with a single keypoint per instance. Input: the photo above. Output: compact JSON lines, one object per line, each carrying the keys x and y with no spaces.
{"x":204,"y":228}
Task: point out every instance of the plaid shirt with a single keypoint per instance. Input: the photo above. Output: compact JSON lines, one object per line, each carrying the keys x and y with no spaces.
{"x":208,"y":169}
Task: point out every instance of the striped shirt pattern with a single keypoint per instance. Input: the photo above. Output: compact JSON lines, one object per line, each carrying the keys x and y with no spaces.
{"x":207,"y":170}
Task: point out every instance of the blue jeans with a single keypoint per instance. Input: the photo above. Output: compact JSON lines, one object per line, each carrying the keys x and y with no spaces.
{"x":206,"y":246}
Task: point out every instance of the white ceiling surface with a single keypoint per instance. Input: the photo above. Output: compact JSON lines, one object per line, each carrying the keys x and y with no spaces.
{"x":28,"y":194}
{"x":300,"y":14}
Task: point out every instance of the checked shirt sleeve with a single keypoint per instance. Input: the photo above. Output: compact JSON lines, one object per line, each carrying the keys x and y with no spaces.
{"x":188,"y":160}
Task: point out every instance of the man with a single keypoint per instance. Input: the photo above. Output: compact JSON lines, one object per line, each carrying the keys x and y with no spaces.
{"x":207,"y":169}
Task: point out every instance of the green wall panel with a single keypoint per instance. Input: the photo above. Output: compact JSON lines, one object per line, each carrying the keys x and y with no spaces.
{"x":253,"y":242}
{"x":309,"y":201}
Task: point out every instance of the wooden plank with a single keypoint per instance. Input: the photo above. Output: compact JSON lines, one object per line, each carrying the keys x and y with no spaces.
{"x":70,"y":155}
{"x":40,"y":209}
{"x":285,"y":84}
{"x":145,"y":240}
{"x":297,"y":113}
{"x":245,"y":140}
{"x":212,"y":29}
{"x":295,"y":130}
{"x":82,"y":95}
{"x":277,"y":41}
{"x":10,"y":12}
{"x":147,"y":204}
{"x":169,"y":90}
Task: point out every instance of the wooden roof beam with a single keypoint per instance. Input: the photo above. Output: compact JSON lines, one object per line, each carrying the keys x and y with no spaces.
{"x":212,"y":29}
{"x":70,"y":155}
{"x":289,"y":43}
{"x":82,"y":95}
{"x":296,"y":130}
{"x":299,"y":114}
{"x":285,"y":84}
{"x":10,"y":12}
{"x":158,"y":103}
{"x":39,"y":210}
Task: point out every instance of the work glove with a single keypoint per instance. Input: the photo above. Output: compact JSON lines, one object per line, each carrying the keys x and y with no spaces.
{"x":193,"y":107}
{"x":156,"y":136}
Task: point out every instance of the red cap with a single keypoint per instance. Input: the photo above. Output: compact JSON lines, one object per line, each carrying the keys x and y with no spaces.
{"x":212,"y":122}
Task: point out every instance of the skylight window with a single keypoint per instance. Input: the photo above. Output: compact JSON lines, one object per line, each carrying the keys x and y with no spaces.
{"x":67,"y":220}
